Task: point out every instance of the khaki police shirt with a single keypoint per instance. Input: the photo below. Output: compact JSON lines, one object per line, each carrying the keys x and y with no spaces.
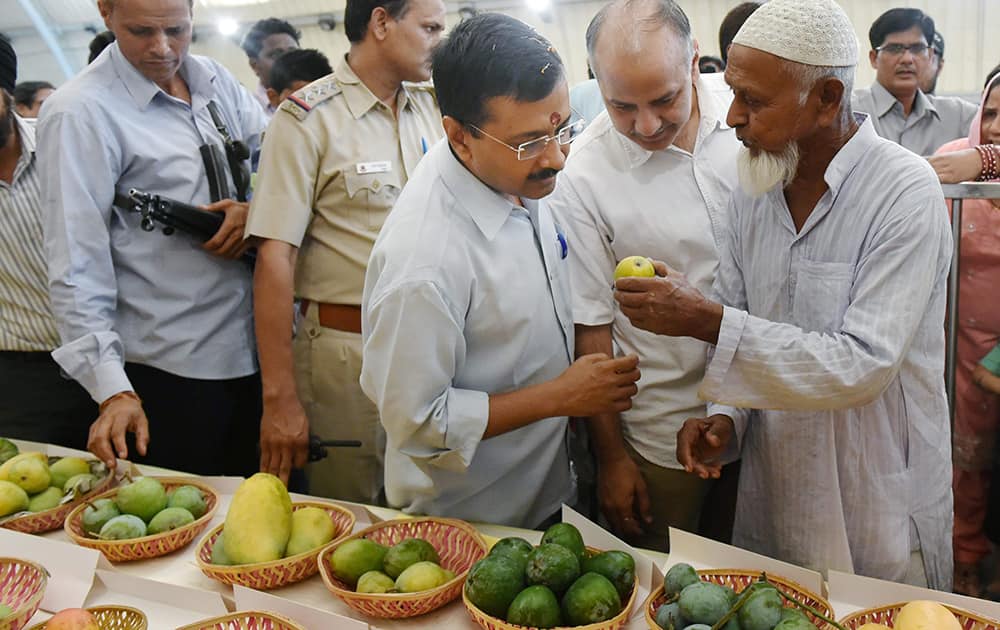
{"x":333,"y":162}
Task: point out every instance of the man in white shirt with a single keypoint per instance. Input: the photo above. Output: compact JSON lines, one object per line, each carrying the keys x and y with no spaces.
{"x":650,"y":177}
{"x":467,"y":325}
{"x":831,"y":292}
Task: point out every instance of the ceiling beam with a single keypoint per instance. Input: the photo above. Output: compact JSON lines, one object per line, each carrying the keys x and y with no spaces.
{"x":49,"y":36}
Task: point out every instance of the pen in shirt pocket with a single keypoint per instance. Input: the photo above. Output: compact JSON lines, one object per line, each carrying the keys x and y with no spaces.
{"x":423,"y":145}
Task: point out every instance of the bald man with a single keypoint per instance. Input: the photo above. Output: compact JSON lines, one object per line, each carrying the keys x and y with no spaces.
{"x":826,"y":320}
{"x":663,"y":136}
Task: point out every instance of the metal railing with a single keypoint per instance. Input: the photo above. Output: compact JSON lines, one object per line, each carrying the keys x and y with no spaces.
{"x":958,"y":193}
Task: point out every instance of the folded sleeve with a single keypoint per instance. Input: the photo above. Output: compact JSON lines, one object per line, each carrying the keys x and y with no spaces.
{"x":413,"y":347}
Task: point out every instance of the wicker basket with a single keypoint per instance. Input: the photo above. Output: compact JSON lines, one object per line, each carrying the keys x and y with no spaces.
{"x":113,"y":618}
{"x":22,"y":585}
{"x":147,"y":546}
{"x":457,"y":543}
{"x":886,"y":615}
{"x":618,"y":621}
{"x":246,"y":620}
{"x":739,"y":579}
{"x":267,"y":575}
{"x":49,"y":520}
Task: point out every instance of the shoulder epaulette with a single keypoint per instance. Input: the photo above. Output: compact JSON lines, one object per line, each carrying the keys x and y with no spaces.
{"x":300,"y":103}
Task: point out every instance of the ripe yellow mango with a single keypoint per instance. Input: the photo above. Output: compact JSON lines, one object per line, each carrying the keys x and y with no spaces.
{"x":311,"y":528}
{"x":925,"y":615}
{"x":259,"y":521}
{"x":5,"y":467}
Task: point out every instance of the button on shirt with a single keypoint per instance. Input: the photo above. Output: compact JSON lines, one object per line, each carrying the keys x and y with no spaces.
{"x":119,"y":293}
{"x":834,"y":335}
{"x":933,"y":121}
{"x":329,"y":176}
{"x":617,"y":200}
{"x":466,"y":295}
{"x":26,"y":322}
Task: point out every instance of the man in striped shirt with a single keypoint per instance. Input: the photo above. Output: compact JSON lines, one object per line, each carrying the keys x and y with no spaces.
{"x":827,"y":323}
{"x":37,"y":402}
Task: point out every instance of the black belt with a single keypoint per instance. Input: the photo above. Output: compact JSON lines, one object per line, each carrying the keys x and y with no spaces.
{"x":25,"y":355}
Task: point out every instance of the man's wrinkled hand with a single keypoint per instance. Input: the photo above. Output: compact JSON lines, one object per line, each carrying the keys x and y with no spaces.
{"x":228,"y":241}
{"x":107,"y":434}
{"x":701,"y":443}
{"x":667,"y":305}
{"x":284,"y":438}
{"x":622,"y":493}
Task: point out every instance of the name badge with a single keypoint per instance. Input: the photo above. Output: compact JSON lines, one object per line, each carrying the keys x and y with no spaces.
{"x":365,"y":168}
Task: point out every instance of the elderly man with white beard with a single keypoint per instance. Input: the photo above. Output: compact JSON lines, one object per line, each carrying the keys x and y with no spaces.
{"x":827,"y":318}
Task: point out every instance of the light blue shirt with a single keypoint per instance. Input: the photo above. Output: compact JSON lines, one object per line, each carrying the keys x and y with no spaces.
{"x":586,"y":99}
{"x":834,"y":335}
{"x":119,"y":293}
{"x":466,"y":295}
{"x":933,"y":121}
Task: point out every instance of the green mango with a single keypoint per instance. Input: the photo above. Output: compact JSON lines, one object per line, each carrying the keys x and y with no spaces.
{"x":406,"y":552}
{"x":420,"y":576}
{"x":65,"y":468}
{"x":45,"y":500}
{"x":591,"y":599}
{"x":311,"y":528}
{"x":259,"y":522}
{"x":7,"y":451}
{"x":80,"y":484}
{"x":376,"y":582}
{"x":144,"y":498}
{"x":168,"y":519}
{"x":96,"y":514}
{"x":356,"y":557}
{"x":190,"y":498}
{"x":219,"y":551}
{"x":13,"y":498}
{"x":123,"y":527}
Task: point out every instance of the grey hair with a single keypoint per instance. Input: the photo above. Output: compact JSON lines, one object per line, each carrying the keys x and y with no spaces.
{"x":808,"y":76}
{"x":662,"y":13}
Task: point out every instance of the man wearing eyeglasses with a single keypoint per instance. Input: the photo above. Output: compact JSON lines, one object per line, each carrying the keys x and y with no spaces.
{"x":468,"y":327}
{"x":650,"y":177}
{"x":900,"y":111}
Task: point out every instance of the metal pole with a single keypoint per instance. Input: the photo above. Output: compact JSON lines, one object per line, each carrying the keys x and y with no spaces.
{"x":48,"y":35}
{"x":953,"y":278}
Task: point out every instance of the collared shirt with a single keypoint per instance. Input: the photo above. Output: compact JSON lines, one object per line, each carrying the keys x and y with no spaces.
{"x":333,"y":163}
{"x":834,"y":335}
{"x":119,"y":293}
{"x":933,"y":121}
{"x":466,"y":295}
{"x":617,"y":200}
{"x":26,"y":322}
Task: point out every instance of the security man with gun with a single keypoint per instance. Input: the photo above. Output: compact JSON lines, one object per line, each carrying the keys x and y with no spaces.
{"x":157,"y":328}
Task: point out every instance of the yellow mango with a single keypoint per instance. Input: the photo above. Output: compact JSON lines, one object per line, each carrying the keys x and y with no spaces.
{"x":925,"y":615}
{"x":12,"y":498}
{"x":259,"y":521}
{"x":311,"y":528}
{"x":5,"y":467}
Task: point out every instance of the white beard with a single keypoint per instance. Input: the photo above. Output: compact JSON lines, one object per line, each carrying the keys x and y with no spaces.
{"x":762,"y":172}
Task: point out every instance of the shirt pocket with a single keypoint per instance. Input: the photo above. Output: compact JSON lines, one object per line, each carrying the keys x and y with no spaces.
{"x":822,"y":293}
{"x":371,"y":196}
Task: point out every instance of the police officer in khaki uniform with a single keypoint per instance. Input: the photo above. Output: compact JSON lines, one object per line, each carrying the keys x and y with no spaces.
{"x":335,"y":157}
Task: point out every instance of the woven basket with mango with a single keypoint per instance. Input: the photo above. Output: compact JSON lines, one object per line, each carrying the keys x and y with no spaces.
{"x":455,"y":543}
{"x":246,"y":620}
{"x":813,"y":612}
{"x":561,"y":583}
{"x":276,"y":573}
{"x":111,"y":618}
{"x":917,"y":615}
{"x":50,"y":487}
{"x":137,"y":531}
{"x":22,"y":586}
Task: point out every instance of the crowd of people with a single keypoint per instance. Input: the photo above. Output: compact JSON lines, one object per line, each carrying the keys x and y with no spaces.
{"x":416,"y":250}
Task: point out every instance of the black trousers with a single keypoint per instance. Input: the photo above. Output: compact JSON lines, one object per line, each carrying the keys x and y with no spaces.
{"x":206,"y":427}
{"x":39,"y":404}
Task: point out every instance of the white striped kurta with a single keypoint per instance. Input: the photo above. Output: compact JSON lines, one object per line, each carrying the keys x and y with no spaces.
{"x":835,"y":335}
{"x":26,"y":322}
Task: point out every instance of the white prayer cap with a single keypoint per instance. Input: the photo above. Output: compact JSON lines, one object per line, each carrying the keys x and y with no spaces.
{"x":810,"y":32}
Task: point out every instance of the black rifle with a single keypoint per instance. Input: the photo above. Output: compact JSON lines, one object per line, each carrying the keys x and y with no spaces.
{"x":174,"y":215}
